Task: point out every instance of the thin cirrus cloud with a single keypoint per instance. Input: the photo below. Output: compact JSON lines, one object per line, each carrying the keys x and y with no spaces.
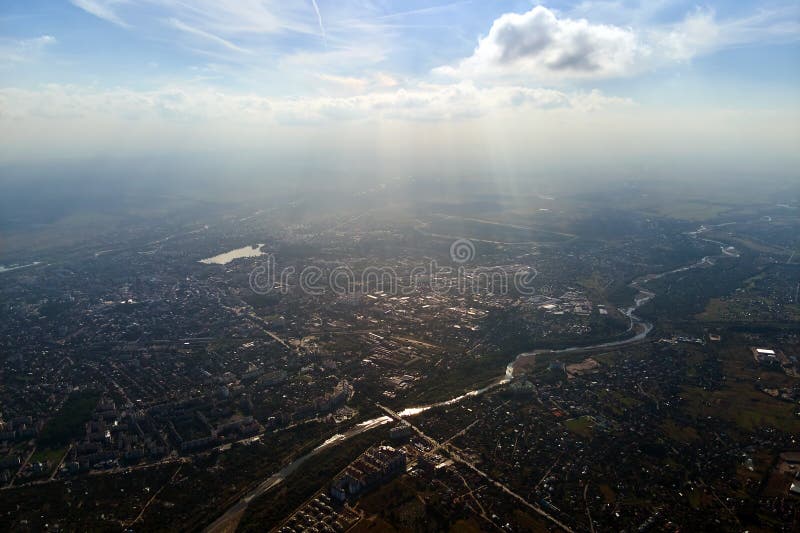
{"x":202,"y":34}
{"x":245,"y":33}
{"x":319,"y":20}
{"x":21,"y":50}
{"x":224,"y":18}
{"x":102,"y":10}
{"x":269,"y":70}
{"x":544,"y":46}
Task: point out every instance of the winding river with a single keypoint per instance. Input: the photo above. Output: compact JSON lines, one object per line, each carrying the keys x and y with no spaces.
{"x":638,"y":326}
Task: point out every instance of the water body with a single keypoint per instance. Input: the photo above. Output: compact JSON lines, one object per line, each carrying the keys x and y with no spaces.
{"x":227,"y":257}
{"x":9,"y":268}
{"x":233,"y":514}
{"x":641,"y":328}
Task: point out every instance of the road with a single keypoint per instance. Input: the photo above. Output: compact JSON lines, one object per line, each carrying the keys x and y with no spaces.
{"x":228,"y":521}
{"x":455,"y":454}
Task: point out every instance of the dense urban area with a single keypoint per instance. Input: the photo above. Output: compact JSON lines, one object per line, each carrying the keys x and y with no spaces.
{"x":604,"y":361}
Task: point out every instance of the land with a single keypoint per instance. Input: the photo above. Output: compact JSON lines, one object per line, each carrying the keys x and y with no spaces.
{"x":144,"y":389}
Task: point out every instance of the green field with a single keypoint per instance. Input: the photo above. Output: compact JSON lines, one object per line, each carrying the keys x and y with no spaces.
{"x":67,"y":424}
{"x":583,"y":426}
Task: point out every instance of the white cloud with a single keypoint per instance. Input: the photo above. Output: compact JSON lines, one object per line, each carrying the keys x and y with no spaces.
{"x":423,"y":102}
{"x":419,"y":102}
{"x":359,"y":85}
{"x":541,"y":45}
{"x":431,"y":127}
{"x":386,"y":80}
{"x":350,"y":83}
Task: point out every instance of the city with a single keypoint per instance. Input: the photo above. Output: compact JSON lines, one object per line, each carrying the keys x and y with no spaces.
{"x":369,"y":266}
{"x":142,"y":369}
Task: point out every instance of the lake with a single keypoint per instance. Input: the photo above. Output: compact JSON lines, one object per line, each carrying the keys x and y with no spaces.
{"x":227,"y":257}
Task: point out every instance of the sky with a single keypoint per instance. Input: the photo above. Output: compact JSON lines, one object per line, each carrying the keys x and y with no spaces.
{"x":405,"y":87}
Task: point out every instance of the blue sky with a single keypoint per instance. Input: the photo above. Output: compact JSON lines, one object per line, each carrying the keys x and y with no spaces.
{"x":154,"y":66}
{"x":272,"y":48}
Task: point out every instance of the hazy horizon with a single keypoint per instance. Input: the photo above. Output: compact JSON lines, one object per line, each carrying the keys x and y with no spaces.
{"x":506,"y":88}
{"x":418,"y":265}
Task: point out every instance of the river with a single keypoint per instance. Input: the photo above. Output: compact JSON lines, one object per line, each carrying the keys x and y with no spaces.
{"x":9,"y":268}
{"x":641,"y":328}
